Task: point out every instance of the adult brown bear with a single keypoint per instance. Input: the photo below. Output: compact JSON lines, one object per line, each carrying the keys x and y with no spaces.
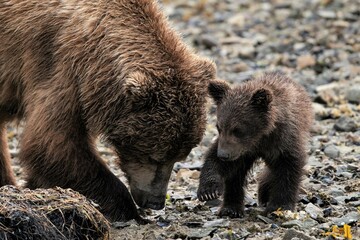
{"x":78,"y":69}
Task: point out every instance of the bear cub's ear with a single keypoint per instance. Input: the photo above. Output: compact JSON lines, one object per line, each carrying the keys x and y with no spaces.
{"x":262,"y":98}
{"x":218,"y":89}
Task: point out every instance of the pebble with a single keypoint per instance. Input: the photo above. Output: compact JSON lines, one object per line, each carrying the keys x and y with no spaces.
{"x":217,"y":223}
{"x":292,"y":223}
{"x":240,"y":67}
{"x":332,"y":151}
{"x":292,"y":234}
{"x":327,"y":14}
{"x":345,"y":124}
{"x":265,"y":219}
{"x":320,"y":111}
{"x":353,"y":94}
{"x":305,"y":224}
{"x":197,"y":233}
{"x":313,"y":211}
{"x":335,"y":192}
{"x":305,"y":61}
{"x":208,"y":41}
{"x":349,"y":218}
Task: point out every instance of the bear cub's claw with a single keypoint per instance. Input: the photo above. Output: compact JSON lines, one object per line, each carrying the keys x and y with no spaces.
{"x":210,"y":191}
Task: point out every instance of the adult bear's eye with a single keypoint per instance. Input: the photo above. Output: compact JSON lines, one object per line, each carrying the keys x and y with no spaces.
{"x":237,"y":132}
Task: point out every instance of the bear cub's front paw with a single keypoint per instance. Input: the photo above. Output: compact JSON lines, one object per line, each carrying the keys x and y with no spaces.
{"x":233,"y":211}
{"x":209,"y":191}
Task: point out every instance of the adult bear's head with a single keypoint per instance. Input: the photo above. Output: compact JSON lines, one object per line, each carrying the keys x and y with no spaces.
{"x":153,"y":120}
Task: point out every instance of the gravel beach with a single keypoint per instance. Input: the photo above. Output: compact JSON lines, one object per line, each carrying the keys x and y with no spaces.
{"x":315,"y":42}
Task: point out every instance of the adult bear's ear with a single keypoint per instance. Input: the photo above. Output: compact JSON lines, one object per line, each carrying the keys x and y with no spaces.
{"x":262,"y":98}
{"x":207,"y":69}
{"x":137,"y":84}
{"x":218,"y":89}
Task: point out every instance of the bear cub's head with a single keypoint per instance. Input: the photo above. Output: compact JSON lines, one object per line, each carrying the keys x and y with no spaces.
{"x":243,"y":117}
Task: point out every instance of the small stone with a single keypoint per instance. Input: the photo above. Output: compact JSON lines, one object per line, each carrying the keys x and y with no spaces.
{"x":353,"y":94}
{"x":313,"y":211}
{"x":336,"y":192}
{"x":292,"y":234}
{"x":332,"y":151}
{"x":237,"y":20}
{"x":274,"y":226}
{"x":292,"y":223}
{"x":246,"y":51}
{"x":217,"y":223}
{"x":352,"y":167}
{"x":320,"y":111}
{"x":240,"y":67}
{"x":345,"y":124}
{"x":198,"y":233}
{"x":327,"y":212}
{"x":265,"y":219}
{"x":305,"y":61}
{"x":208,"y":41}
{"x":309,"y":223}
{"x":327,"y":14}
{"x":349,"y":218}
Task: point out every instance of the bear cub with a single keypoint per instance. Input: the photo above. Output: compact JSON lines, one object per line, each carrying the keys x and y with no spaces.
{"x":268,"y":117}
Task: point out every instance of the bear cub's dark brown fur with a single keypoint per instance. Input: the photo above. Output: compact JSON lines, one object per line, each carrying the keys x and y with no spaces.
{"x":268,"y":118}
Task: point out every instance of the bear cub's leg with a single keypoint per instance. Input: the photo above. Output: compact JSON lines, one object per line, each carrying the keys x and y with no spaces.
{"x":235,"y":179}
{"x":219,"y":176}
{"x":279,"y":185}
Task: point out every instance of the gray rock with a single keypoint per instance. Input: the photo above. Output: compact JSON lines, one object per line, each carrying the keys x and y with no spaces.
{"x":345,"y":124}
{"x":265,"y":219}
{"x":353,"y":94}
{"x":352,"y":167}
{"x":320,"y":111}
{"x":335,"y":192}
{"x":246,"y":51}
{"x":309,"y":223}
{"x":209,"y":41}
{"x":292,"y":234}
{"x":305,"y":224}
{"x":349,"y":218}
{"x":198,"y":233}
{"x":292,"y":223}
{"x":332,"y":151}
{"x":327,"y":14}
{"x":313,"y":211}
{"x":217,"y":223}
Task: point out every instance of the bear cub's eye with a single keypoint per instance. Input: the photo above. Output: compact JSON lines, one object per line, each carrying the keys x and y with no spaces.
{"x":237,"y":132}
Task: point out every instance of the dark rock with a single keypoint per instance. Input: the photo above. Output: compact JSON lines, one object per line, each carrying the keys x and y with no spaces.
{"x":345,"y":124}
{"x":208,"y":41}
